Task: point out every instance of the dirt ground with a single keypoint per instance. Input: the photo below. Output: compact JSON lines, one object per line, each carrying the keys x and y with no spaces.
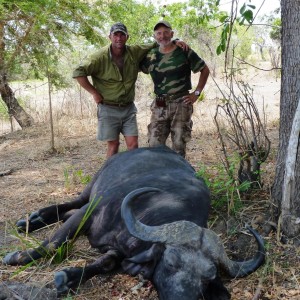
{"x":38,"y":178}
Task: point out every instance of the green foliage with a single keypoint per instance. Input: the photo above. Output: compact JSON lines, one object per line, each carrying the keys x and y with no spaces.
{"x":187,"y":19}
{"x":275,"y":33}
{"x":92,"y":205}
{"x":3,"y":111}
{"x":230,"y":22}
{"x":201,"y":97}
{"x":225,"y":189}
{"x":27,"y":242}
{"x":60,"y":254}
{"x":36,"y":33}
{"x":138,"y":17}
{"x":242,"y":41}
{"x":224,"y":36}
{"x":192,"y":17}
{"x":206,"y":10}
{"x":246,"y":12}
{"x":194,"y":23}
{"x":84,"y":179}
{"x":74,"y":177}
{"x":63,"y":251}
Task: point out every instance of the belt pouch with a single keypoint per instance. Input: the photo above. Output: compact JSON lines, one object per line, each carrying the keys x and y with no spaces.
{"x":160,"y":102}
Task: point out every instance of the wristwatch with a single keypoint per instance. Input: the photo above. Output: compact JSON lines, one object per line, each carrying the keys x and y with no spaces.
{"x":197,"y":93}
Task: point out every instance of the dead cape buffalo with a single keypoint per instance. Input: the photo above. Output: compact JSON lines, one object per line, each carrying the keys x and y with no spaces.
{"x":151,"y":220}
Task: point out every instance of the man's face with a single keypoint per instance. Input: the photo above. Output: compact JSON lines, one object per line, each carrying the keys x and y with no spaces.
{"x":163,"y":35}
{"x":118,"y":39}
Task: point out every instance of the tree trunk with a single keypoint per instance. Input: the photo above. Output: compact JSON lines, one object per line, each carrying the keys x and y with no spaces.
{"x":286,"y":187}
{"x":14,"y":108}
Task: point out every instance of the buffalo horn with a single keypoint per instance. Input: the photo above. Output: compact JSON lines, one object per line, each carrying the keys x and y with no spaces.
{"x":180,"y":231}
{"x":186,"y":232}
{"x":212,"y":244}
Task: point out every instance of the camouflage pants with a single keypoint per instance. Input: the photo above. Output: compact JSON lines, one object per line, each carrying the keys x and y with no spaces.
{"x":175,"y":118}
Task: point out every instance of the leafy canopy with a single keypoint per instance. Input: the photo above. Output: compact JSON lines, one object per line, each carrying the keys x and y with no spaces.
{"x":36,"y":32}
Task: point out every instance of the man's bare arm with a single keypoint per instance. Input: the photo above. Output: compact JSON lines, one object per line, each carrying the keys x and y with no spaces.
{"x":203,"y":78}
{"x":85,"y":83}
{"x":192,"y":98}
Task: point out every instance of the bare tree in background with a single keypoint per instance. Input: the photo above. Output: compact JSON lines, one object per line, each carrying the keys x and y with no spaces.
{"x":242,"y":131}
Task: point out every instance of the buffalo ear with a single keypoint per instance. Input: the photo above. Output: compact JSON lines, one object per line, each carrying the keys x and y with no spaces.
{"x":145,"y":262}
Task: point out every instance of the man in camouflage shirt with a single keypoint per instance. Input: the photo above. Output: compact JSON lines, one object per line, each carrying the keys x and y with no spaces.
{"x":170,"y":68}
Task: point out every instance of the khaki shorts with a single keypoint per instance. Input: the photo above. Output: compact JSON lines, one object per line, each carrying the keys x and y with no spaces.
{"x":115,"y":120}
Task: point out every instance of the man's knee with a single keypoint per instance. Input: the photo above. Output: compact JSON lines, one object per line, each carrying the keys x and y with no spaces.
{"x":131,"y":142}
{"x":132,"y":145}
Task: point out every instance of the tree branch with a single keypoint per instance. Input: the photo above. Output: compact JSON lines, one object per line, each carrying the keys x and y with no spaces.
{"x":267,"y":70}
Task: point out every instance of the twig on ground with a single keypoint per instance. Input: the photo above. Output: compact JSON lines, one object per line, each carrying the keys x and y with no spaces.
{"x":6,"y":172}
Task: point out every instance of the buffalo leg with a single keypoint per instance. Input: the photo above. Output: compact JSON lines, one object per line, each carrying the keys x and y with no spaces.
{"x":54,"y":213}
{"x":69,"y":280}
{"x":65,"y":233}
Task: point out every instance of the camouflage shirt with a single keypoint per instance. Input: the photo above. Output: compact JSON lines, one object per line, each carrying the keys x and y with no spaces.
{"x":171,"y":72}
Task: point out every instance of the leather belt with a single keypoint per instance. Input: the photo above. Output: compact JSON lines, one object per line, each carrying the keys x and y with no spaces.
{"x":117,"y":104}
{"x":172,"y":96}
{"x":163,"y":99}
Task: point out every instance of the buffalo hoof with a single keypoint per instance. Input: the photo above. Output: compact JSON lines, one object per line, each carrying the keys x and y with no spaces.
{"x":68,"y":280}
{"x":61,"y":280}
{"x":12,"y":258}
{"x":35,"y":222}
{"x":21,"y":258}
{"x":21,"y":225}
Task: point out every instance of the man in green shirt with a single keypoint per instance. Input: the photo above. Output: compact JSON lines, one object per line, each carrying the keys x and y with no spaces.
{"x":170,"y":68}
{"x":113,"y":70}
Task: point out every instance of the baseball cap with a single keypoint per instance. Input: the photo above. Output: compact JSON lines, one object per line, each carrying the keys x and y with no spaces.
{"x":165,"y":23}
{"x":118,"y":27}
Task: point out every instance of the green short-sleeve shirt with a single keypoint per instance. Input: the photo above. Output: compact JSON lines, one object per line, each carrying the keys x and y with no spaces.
{"x":106,"y":76}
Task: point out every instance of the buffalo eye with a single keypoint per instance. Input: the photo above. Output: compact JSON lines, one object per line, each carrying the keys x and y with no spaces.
{"x":172,"y":260}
